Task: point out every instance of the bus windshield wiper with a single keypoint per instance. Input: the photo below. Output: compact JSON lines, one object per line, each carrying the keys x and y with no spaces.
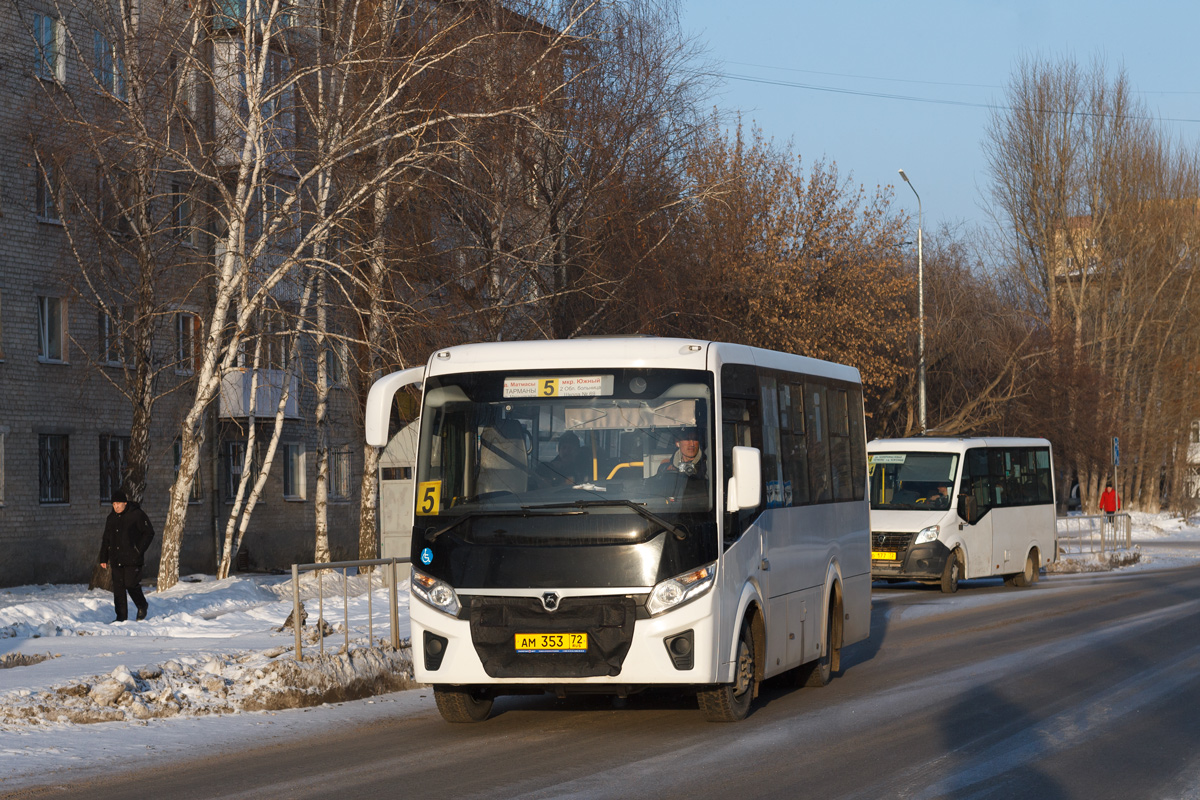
{"x":523,"y":511}
{"x":640,"y":508}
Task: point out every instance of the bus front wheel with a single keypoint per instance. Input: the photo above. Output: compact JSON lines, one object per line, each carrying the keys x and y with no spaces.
{"x":462,"y":704}
{"x":730,"y":702}
{"x":952,"y":573}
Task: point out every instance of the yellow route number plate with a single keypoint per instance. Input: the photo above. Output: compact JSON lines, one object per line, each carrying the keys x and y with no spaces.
{"x":551,"y":642}
{"x":882,"y":556}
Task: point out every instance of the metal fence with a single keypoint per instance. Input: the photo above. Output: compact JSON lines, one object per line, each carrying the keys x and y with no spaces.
{"x":1099,"y":533}
{"x":390,"y":581}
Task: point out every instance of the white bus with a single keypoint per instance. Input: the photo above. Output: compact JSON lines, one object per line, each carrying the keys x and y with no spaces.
{"x":943,"y":510}
{"x":707,"y":527}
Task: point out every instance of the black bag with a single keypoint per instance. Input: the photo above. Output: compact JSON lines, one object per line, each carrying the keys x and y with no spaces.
{"x":101,"y":578}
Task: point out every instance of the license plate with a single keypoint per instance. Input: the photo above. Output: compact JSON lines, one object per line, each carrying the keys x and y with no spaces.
{"x":551,"y":642}
{"x":882,"y":556}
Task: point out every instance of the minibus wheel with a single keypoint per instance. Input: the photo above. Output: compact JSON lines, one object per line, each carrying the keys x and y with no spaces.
{"x":1027,"y":577}
{"x":730,"y":702}
{"x":820,"y":672}
{"x":461,"y":704}
{"x":952,"y":572}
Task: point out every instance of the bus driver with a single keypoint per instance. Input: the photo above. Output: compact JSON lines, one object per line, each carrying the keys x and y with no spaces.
{"x":689,"y":459}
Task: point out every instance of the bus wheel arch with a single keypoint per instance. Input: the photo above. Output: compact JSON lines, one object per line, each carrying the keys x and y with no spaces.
{"x":820,"y":672}
{"x":1029,"y":573}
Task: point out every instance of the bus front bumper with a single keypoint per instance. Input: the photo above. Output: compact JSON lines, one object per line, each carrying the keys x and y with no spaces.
{"x":918,"y":562}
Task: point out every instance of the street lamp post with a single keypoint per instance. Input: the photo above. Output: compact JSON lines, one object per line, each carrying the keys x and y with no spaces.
{"x":920,"y":313}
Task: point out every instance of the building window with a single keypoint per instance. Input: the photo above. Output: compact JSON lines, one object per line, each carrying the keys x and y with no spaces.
{"x":44,"y":206}
{"x":187,"y":335}
{"x":111,"y":336}
{"x":293,"y":471}
{"x":1195,"y":438}
{"x":109,"y":67}
{"x":1,"y":326}
{"x":54,"y":485}
{"x":235,"y":463}
{"x":336,"y":358}
{"x":49,"y":37}
{"x":52,"y":329}
{"x":181,"y":213}
{"x":196,"y":493}
{"x":339,"y":472}
{"x":114,"y":464}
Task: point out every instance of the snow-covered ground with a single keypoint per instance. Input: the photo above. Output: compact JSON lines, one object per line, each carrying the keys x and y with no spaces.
{"x":208,"y":670}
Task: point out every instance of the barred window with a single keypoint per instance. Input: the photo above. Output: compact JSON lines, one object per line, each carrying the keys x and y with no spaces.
{"x":114,"y":464}
{"x":339,"y":472}
{"x":54,"y":485}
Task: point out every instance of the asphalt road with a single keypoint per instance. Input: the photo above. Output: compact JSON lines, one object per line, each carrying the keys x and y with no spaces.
{"x":1083,"y":686}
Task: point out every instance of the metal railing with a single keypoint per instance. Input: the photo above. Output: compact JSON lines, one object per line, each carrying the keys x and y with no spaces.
{"x":1098,"y":533}
{"x":393,"y":610}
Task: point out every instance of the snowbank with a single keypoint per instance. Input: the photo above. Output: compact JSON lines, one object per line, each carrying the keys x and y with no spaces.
{"x":208,"y":647}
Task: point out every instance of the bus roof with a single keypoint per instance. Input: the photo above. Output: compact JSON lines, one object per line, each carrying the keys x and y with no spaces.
{"x":651,"y":352}
{"x":943,"y":444}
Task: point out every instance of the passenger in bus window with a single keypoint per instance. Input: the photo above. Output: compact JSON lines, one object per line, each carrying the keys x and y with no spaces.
{"x":689,"y":456}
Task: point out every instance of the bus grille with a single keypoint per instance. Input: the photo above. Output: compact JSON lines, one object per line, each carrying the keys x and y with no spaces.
{"x":608,"y":622}
{"x":889,"y":540}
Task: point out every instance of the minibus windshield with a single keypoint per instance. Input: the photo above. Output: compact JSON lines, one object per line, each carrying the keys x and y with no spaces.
{"x":913,"y":480}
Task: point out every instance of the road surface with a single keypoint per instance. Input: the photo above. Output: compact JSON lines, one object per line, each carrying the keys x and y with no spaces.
{"x":1083,"y":686}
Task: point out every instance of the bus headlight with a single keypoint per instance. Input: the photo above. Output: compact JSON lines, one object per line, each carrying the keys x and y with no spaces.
{"x":438,"y":594}
{"x":929,"y":534}
{"x":680,"y":589}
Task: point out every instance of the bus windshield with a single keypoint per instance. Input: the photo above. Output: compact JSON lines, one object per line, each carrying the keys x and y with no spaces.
{"x":912,"y":480}
{"x":554,"y":440}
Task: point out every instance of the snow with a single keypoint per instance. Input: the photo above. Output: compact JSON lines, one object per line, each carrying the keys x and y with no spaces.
{"x":207,"y":667}
{"x":208,"y":670}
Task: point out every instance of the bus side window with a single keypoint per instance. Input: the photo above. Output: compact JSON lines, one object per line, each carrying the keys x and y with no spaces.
{"x":741,"y":425}
{"x":818,"y":442}
{"x":794,"y":445}
{"x":976,"y":479}
{"x":858,"y":443}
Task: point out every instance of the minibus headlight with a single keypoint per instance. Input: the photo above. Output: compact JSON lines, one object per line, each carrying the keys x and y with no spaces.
{"x":929,"y":534}
{"x":438,"y":594}
{"x":680,"y":589}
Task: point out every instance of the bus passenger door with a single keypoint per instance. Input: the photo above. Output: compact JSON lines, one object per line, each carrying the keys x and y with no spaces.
{"x":977,"y":534}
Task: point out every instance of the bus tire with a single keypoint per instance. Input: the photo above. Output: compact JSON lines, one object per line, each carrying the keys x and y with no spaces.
{"x":952,"y":572}
{"x":730,"y":702}
{"x":461,"y":704}
{"x":1027,"y":577}
{"x":820,"y":672}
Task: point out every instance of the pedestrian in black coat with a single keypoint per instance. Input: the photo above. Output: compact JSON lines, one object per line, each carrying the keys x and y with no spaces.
{"x":127,"y":536}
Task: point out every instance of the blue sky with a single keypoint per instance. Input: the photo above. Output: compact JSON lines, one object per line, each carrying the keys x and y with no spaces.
{"x":950,"y":52}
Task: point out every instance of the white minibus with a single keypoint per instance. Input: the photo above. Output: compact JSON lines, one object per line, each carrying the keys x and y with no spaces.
{"x":943,"y":510}
{"x":611,"y":514}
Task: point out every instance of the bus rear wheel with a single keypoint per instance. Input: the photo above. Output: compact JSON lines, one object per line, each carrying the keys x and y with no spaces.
{"x":820,"y":672}
{"x":462,"y":704}
{"x":1027,"y":577}
{"x":730,"y":702}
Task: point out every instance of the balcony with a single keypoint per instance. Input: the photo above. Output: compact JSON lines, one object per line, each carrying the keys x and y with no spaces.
{"x":236,"y":400}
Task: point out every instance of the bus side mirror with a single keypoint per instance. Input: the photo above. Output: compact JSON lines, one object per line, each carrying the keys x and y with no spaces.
{"x":967,"y":508}
{"x":745,"y":485}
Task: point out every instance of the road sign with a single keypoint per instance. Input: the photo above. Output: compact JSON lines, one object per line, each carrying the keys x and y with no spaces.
{"x":1116,"y":451}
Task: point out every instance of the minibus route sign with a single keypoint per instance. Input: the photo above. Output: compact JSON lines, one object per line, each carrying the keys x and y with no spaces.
{"x":569,"y":386}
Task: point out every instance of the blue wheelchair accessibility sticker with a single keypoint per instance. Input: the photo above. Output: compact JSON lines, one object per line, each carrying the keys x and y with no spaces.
{"x":427,"y":556}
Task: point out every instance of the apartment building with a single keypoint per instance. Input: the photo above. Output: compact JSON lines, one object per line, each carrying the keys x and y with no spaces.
{"x":65,"y":344}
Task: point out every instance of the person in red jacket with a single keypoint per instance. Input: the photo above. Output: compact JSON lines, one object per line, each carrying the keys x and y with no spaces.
{"x":1110,"y":501}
